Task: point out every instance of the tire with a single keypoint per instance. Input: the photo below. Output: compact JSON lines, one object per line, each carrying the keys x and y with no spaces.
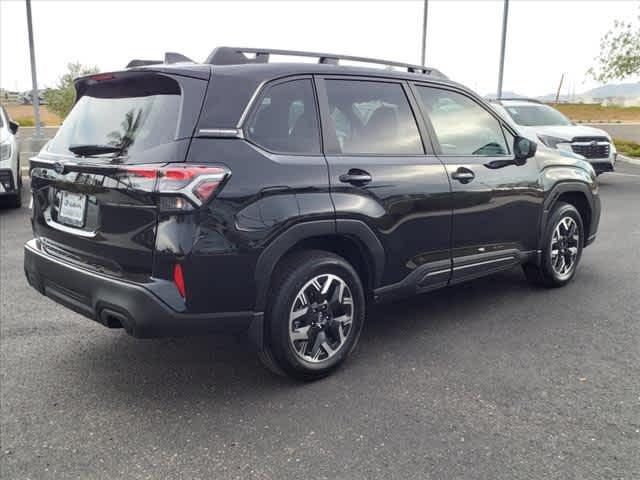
{"x":15,"y":201}
{"x":314,"y":321}
{"x":562,"y":250}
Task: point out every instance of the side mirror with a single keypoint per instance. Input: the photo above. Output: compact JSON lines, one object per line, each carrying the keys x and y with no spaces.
{"x":523,"y":148}
{"x":13,"y":126}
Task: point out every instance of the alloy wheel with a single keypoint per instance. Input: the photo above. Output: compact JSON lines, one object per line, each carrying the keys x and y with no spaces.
{"x":320,"y":319}
{"x":565,"y":246}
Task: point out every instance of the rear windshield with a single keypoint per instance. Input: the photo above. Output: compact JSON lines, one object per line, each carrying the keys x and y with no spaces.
{"x":133,"y":113}
{"x":537,"y":116}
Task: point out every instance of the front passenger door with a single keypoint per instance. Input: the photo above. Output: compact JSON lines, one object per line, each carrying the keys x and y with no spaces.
{"x":496,"y":203}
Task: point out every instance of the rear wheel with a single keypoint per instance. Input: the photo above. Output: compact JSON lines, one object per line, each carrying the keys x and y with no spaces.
{"x":315,"y":320}
{"x":563,"y":243}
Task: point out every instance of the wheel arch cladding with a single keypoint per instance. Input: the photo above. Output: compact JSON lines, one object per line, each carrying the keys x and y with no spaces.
{"x":353,"y":240}
{"x":578,"y":200}
{"x":574,"y":193}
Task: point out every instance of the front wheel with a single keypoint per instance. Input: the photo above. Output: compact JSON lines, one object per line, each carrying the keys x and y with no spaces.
{"x":562,"y":250}
{"x":316,"y":317}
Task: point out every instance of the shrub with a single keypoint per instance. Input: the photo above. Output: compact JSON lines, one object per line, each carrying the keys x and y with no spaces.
{"x":625,"y":147}
{"x":25,"y":121}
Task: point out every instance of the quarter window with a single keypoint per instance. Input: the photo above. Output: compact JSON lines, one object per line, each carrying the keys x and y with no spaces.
{"x":372,"y":118}
{"x":286,"y":119}
{"x":462,"y":126}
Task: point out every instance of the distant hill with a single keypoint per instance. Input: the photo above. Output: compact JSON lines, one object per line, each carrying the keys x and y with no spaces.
{"x":505,"y":95}
{"x":618,"y":90}
{"x":615,"y":90}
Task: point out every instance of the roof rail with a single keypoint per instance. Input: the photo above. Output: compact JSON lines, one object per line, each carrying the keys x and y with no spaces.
{"x":236,"y":56}
{"x":516,"y":99}
{"x":169,"y":58}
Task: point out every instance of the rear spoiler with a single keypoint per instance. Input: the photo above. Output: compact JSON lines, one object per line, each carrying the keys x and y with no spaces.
{"x":169,"y":59}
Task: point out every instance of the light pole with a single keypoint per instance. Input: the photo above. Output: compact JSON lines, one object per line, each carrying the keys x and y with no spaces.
{"x":505,"y":15}
{"x":424,"y":32}
{"x":34,"y":81}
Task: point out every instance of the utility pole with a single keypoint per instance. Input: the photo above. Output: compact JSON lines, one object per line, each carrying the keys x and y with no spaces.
{"x":559,"y":87}
{"x":505,"y":15}
{"x":34,"y":81}
{"x":424,"y":32}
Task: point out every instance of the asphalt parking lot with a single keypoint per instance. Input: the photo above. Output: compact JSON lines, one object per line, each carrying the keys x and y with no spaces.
{"x":488,"y":380}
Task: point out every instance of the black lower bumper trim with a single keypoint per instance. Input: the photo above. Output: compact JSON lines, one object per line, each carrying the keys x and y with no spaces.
{"x":6,"y":179}
{"x":117,"y":303}
{"x":602,"y":167}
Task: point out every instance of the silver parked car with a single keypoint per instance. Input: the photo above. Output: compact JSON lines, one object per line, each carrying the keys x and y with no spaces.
{"x":546,"y":125}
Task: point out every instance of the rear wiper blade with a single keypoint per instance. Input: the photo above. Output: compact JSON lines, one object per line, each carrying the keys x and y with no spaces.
{"x":89,"y":150}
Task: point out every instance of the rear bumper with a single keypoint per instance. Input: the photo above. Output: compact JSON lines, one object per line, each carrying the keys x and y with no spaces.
{"x":116,"y":303}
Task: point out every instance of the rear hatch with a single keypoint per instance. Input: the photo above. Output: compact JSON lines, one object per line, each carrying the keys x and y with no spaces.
{"x":94,"y":183}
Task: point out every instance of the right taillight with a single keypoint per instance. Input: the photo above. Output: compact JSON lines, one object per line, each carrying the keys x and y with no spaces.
{"x":179,"y":187}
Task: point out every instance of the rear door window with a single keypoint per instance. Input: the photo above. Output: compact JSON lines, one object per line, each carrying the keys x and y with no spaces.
{"x":372,"y":118}
{"x":462,"y":126}
{"x":286,"y":119}
{"x":135,"y":114}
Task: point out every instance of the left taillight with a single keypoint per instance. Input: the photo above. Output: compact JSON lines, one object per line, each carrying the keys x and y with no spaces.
{"x":178,"y":280}
{"x":179,"y":187}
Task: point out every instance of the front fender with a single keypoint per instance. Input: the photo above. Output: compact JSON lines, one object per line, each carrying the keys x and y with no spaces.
{"x":561,"y":180}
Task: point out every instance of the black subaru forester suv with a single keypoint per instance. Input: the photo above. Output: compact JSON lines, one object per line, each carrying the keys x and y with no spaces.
{"x":283,"y":199}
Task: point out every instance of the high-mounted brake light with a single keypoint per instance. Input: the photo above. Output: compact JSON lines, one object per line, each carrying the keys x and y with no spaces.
{"x":181,"y":187}
{"x":102,"y":76}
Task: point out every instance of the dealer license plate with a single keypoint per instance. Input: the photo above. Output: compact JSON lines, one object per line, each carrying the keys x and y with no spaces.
{"x":72,"y":209}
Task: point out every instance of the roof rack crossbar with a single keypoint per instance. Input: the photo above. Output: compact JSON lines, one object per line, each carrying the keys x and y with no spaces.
{"x":236,"y":56}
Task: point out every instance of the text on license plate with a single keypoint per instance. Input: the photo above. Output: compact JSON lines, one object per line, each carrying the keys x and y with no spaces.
{"x":72,"y":209}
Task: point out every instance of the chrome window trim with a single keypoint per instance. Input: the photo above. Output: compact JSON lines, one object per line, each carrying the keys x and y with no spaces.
{"x":221,"y":132}
{"x":248,"y":107}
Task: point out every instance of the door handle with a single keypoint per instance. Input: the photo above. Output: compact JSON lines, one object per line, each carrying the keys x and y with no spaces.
{"x":356,"y":177}
{"x":463,"y":175}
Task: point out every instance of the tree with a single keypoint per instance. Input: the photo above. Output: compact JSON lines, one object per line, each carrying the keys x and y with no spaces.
{"x":125,"y":137}
{"x":61,"y":98}
{"x":619,"y":52}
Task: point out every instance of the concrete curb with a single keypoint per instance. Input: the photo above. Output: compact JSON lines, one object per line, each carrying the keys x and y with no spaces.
{"x":624,"y":158}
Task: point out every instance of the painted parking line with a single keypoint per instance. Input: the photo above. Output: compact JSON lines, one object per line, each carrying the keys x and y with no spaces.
{"x":624,"y":174}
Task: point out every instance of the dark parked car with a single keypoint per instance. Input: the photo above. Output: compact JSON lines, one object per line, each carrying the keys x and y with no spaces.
{"x":283,"y":199}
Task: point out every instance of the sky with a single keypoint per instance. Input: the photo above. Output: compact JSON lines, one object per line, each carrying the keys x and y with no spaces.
{"x":545,"y":38}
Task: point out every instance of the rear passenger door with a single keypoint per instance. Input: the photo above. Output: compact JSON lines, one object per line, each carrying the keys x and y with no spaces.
{"x":383,"y":173}
{"x":497,"y":204}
